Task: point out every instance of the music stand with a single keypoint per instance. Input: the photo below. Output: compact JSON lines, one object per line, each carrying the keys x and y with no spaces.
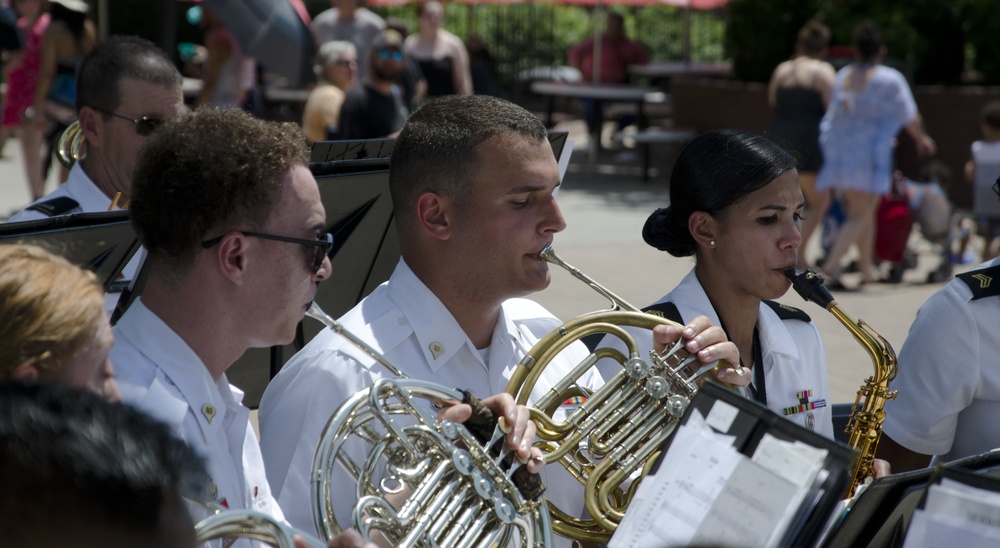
{"x":102,"y":242}
{"x":355,"y":194}
{"x":881,"y":515}
{"x":337,"y":151}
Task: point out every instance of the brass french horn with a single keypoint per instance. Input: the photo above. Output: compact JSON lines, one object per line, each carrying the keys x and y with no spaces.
{"x":616,"y":434}
{"x":420,"y":481}
{"x":70,"y":144}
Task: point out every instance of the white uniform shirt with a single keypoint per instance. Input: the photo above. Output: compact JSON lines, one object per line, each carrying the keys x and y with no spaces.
{"x":986,"y":158}
{"x":80,"y":188}
{"x":948,"y":400}
{"x":407,"y":323}
{"x":795,"y":371}
{"x":159,"y":374}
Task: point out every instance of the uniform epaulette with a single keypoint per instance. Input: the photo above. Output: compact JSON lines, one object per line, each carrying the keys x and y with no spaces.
{"x":55,"y":206}
{"x":786,"y":312}
{"x":666,"y":310}
{"x":980,"y":282}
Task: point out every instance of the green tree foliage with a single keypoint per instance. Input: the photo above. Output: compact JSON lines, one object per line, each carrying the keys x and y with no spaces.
{"x":927,"y":37}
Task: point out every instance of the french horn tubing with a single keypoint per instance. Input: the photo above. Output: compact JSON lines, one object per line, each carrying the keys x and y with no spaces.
{"x":864,"y":428}
{"x":253,"y":525}
{"x":420,"y":481}
{"x":615,"y":435}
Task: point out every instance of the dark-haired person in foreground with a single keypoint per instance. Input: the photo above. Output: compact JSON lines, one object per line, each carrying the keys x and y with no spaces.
{"x":79,"y":471}
{"x":473,"y":180}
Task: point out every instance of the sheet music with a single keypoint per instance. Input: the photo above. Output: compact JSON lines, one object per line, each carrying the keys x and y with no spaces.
{"x":930,"y":530}
{"x":705,"y":492}
{"x":951,"y":512}
{"x":744,"y":514}
{"x":670,"y":504}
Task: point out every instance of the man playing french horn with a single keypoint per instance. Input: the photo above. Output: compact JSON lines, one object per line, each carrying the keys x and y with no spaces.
{"x":236,"y":250}
{"x":473,"y":180}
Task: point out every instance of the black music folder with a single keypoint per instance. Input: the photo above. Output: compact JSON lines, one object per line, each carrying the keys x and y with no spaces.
{"x":736,"y":473}
{"x":339,"y":151}
{"x":102,"y":242}
{"x":880,"y":516}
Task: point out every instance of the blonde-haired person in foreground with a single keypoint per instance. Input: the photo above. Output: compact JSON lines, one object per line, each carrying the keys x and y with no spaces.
{"x":53,"y":327}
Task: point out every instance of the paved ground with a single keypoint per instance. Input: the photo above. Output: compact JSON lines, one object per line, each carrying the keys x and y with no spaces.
{"x":605,"y":212}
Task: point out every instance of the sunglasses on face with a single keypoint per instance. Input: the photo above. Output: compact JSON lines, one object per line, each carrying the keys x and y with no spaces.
{"x":393,"y":54}
{"x":316,"y":250}
{"x":144,"y":126}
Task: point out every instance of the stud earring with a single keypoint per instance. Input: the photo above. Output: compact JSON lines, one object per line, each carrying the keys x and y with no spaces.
{"x":711,"y":243}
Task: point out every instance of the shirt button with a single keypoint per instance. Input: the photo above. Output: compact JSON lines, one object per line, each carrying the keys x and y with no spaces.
{"x":436,"y":349}
{"x":402,"y":320}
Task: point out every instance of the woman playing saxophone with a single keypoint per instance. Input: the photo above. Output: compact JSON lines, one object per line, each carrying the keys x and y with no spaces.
{"x":736,"y":207}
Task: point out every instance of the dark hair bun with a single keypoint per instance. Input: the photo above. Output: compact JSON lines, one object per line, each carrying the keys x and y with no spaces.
{"x":664,"y":233}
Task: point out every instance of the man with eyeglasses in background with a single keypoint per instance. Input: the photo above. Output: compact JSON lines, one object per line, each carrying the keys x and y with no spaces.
{"x":126,"y":87}
{"x":377,"y":108}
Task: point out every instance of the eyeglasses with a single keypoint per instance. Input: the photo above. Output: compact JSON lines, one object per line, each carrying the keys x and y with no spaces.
{"x":395,"y":55}
{"x":144,"y":126}
{"x":346,"y":63}
{"x":316,"y":250}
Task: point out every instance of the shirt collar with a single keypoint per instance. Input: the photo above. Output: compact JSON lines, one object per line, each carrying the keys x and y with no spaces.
{"x":208,"y":399}
{"x":86,"y":191}
{"x":689,"y":295}
{"x":438,"y":334}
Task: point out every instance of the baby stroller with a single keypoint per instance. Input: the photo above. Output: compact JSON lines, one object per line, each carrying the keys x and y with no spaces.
{"x":926,"y":204}
{"x":908,"y":202}
{"x":893,"y":225}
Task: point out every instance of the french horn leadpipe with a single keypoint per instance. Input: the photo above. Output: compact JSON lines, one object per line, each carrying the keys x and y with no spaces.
{"x":461,"y":491}
{"x":864,"y":429}
{"x":611,"y":440}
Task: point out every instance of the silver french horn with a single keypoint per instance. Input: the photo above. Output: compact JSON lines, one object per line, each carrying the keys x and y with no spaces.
{"x":419,"y":481}
{"x":250,"y":524}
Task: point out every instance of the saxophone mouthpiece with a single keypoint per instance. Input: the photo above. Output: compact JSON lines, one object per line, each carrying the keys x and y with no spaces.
{"x":809,"y":285}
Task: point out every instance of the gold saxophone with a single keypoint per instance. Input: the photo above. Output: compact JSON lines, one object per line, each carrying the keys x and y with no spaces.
{"x":865,"y":426}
